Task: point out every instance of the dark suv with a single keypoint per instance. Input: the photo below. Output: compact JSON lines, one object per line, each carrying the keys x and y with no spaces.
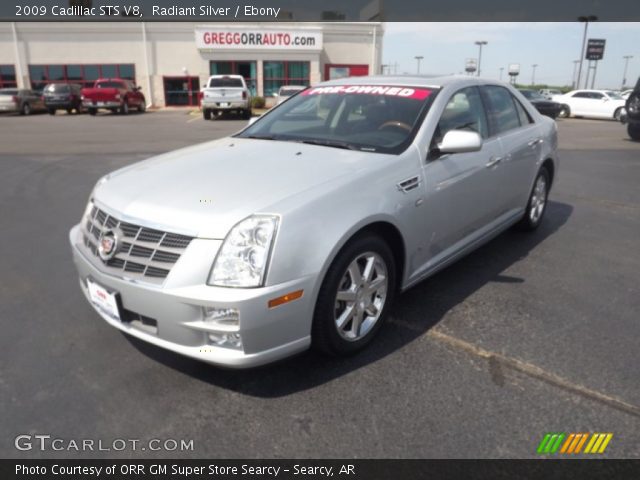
{"x":62,"y":96}
{"x":632,"y":117}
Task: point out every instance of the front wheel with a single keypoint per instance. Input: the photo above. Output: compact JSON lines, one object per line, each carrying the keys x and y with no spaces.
{"x":537,"y":204}
{"x":26,"y":109}
{"x":124,"y":108}
{"x":206,"y":114}
{"x":633,"y":129}
{"x":564,"y":112}
{"x":52,"y":111}
{"x":92,"y":111}
{"x":355,"y":296}
{"x":142,"y":107}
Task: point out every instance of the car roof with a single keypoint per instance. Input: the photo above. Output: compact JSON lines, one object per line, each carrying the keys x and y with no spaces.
{"x":414,"y":81}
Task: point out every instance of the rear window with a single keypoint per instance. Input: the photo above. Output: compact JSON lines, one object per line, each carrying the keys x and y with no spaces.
{"x":57,"y":88}
{"x":226,"y":82}
{"x":110,"y":85}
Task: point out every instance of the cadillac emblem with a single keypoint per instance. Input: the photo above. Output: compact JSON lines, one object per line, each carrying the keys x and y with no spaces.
{"x":108,"y":245}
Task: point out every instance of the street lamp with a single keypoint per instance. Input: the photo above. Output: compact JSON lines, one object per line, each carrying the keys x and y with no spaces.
{"x":533,"y":74}
{"x":418,"y":58}
{"x":586,"y":19}
{"x":480,"y":43}
{"x":501,"y":69}
{"x":624,"y":75}
{"x":574,"y":85}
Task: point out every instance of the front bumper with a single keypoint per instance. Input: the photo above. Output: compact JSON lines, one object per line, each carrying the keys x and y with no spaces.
{"x":177,"y":306}
{"x":92,"y":104}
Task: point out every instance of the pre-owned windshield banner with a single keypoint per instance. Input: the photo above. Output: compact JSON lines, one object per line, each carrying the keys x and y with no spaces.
{"x":311,"y":10}
{"x":393,"y":91}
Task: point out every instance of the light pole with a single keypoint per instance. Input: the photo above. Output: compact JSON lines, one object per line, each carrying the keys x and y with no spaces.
{"x":501,"y":69}
{"x":624,"y":75}
{"x":418,"y":58}
{"x":480,"y":43}
{"x":574,"y":85}
{"x":586,"y":19}
{"x":533,"y":74}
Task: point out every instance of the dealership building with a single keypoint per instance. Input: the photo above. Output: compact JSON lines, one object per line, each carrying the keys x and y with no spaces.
{"x":172,"y":61}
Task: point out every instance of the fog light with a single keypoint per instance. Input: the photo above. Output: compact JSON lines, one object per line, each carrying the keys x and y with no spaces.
{"x":229,"y":340}
{"x":229,"y":317}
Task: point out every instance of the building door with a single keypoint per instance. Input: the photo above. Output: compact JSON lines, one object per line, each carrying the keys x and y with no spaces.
{"x":247,"y":69}
{"x":333,"y":71}
{"x":181,"y":91}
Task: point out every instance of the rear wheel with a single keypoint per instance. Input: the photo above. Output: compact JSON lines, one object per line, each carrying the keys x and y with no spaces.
{"x":142,"y":107}
{"x":564,"y":112}
{"x":355,"y":296}
{"x":92,"y":111}
{"x":206,"y":114}
{"x":537,"y":204}
{"x":69,"y":110}
{"x":52,"y":111}
{"x":26,"y":109}
{"x":617,"y":114}
{"x":246,"y":114}
{"x":124,"y":108}
{"x":633,"y":129}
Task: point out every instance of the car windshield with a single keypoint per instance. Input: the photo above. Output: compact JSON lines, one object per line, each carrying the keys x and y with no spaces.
{"x":57,"y":88}
{"x":109,"y":85}
{"x":376,"y":118}
{"x":614,"y":95}
{"x":225,"y":82}
{"x":8,"y":92}
{"x":531,"y":95}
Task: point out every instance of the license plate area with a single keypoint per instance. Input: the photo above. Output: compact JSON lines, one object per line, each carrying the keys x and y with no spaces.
{"x":105,"y":300}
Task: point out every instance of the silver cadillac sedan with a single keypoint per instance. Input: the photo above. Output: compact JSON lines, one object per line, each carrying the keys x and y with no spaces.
{"x":301,"y":229}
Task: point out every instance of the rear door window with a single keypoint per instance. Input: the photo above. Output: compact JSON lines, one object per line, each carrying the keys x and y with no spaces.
{"x":501,"y":109}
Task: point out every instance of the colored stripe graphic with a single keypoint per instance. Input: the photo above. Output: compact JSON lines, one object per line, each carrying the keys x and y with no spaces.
{"x":572,"y":443}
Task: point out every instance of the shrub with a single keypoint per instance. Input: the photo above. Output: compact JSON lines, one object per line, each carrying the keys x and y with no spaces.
{"x":257,"y":102}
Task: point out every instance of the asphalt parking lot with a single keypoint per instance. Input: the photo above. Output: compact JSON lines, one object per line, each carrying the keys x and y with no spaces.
{"x":529,"y":334}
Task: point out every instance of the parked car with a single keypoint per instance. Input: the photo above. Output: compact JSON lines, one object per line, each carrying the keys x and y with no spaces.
{"x":632,"y":113}
{"x":226,"y":93}
{"x":549,"y":93}
{"x":114,"y":94}
{"x":62,"y":96}
{"x":20,"y":100}
{"x":287,"y":92}
{"x":591,"y":103}
{"x":322,"y":210}
{"x":544,"y":106}
{"x":625,"y":94}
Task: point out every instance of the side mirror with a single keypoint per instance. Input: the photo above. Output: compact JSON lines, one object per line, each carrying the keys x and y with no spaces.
{"x":252,"y":120}
{"x":605,"y":99}
{"x":460,"y":141}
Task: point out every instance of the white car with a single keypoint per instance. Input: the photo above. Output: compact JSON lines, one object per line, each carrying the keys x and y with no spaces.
{"x":625,"y":94}
{"x":288,"y":91}
{"x":549,"y":93}
{"x":591,"y":103}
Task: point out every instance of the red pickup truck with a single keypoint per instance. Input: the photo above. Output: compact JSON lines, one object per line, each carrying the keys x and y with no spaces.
{"x":115,"y":94}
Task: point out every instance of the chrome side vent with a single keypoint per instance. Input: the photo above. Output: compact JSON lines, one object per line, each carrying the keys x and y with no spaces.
{"x":409,"y":184}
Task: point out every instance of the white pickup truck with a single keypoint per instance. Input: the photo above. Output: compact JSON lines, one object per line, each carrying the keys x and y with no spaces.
{"x":225,"y":93}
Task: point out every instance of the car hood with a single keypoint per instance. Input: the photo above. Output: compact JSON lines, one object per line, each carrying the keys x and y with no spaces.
{"x":206,"y":189}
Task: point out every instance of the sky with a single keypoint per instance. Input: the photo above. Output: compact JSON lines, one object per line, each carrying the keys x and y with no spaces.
{"x":552,"y":46}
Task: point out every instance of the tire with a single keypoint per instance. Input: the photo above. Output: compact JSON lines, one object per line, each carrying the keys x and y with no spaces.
{"x":326,"y":335}
{"x":92,"y":111}
{"x":565,"y":112}
{"x":633,"y":129}
{"x":69,"y":111}
{"x":617,"y":114}
{"x":537,"y":204}
{"x":52,"y":111}
{"x":26,"y":109}
{"x":206,"y":114}
{"x":246,"y":114}
{"x":142,"y":107}
{"x":124,"y":108}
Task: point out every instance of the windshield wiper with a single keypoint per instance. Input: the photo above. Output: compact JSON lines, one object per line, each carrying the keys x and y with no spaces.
{"x":329,"y":143}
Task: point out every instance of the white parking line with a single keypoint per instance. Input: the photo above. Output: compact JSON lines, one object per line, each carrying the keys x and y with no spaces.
{"x":194,"y":119}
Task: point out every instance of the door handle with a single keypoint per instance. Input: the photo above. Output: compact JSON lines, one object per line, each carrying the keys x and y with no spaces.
{"x":493,"y":161}
{"x":533,"y":143}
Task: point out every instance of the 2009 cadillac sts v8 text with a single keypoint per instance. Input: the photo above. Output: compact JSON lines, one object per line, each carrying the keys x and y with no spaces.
{"x":299,"y":230}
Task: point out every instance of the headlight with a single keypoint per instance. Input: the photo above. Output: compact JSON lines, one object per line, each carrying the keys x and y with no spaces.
{"x":243,"y":257}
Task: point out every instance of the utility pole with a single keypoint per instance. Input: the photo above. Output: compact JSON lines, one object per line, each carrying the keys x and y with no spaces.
{"x":533,"y":74}
{"x":585,"y":19}
{"x":480,"y":43}
{"x":418,"y":58}
{"x":574,"y":85}
{"x":624,"y":75}
{"x":501,"y":69}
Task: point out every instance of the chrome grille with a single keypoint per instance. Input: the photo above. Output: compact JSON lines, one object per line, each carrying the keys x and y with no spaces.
{"x":143,"y":252}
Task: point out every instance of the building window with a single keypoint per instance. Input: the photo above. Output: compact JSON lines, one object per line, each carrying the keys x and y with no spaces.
{"x":8,"y":76}
{"x":246,"y":69}
{"x":278,"y":74}
{"x":333,"y":71}
{"x":85,"y":75}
